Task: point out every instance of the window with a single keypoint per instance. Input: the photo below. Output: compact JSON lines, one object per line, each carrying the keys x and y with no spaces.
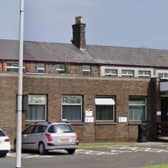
{"x":137,"y":108}
{"x":163,"y":75}
{"x":12,"y":67}
{"x":105,"y":108}
{"x":2,"y":133}
{"x":86,"y":70}
{"x":37,"y":105}
{"x":29,"y":130}
{"x":40,"y":68}
{"x":110,"y":72}
{"x":60,"y":128}
{"x":144,"y":74}
{"x":72,"y":108}
{"x":39,"y":128}
{"x":127,"y":73}
{"x":60,"y":68}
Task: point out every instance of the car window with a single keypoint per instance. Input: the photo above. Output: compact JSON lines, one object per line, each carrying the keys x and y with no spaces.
{"x":52,"y":129}
{"x":39,"y":128}
{"x":64,"y":128}
{"x":42,"y":128}
{"x":2,"y":133}
{"x":28,"y":130}
{"x":60,"y":128}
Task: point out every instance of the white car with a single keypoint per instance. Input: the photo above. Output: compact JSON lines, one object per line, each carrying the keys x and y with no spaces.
{"x":47,"y":136}
{"x":5,"y":145}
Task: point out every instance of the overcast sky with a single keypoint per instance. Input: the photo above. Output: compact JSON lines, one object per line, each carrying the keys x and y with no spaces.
{"x":133,"y":23}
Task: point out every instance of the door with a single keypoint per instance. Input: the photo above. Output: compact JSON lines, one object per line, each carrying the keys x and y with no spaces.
{"x":164,"y":116}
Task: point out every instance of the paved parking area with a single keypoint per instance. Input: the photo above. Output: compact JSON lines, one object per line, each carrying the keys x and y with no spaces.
{"x":137,"y":147}
{"x":134,"y":155}
{"x":120,"y":150}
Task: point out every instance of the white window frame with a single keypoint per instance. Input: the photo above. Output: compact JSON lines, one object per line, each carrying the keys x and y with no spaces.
{"x":126,"y":72}
{"x":86,"y":70}
{"x":59,"y":67}
{"x":104,"y":73}
{"x":40,"y":67}
{"x":104,"y":101}
{"x":163,"y":72}
{"x":119,"y":71}
{"x":112,"y":72}
{"x":37,"y":100}
{"x":13,"y":66}
{"x":143,"y":73}
{"x":138,"y":105}
{"x":65,"y":103}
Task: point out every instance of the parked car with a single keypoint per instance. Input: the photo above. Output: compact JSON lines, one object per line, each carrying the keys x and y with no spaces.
{"x":4,"y":143}
{"x":47,"y":136}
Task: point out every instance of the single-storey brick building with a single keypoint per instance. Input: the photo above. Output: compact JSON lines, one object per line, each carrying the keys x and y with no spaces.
{"x":105,"y":92}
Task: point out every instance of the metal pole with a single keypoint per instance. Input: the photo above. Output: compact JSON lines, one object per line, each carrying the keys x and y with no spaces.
{"x":20,"y":90}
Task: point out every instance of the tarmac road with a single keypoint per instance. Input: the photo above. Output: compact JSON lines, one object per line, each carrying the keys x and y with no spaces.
{"x":134,"y":156}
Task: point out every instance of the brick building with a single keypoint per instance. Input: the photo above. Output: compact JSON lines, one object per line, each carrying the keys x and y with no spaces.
{"x":104,"y":91}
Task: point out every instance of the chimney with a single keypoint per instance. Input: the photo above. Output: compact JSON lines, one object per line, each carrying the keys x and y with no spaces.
{"x":79,"y":33}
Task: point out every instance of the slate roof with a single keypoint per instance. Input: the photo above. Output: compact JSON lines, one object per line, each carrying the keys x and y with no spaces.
{"x":94,"y":54}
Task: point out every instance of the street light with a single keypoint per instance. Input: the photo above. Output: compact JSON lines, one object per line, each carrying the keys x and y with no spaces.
{"x":20,"y":89}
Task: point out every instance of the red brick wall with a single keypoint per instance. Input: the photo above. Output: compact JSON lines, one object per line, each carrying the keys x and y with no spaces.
{"x":4,"y":64}
{"x":1,"y":66}
{"x":8,"y":92}
{"x":91,"y":87}
{"x":71,"y":69}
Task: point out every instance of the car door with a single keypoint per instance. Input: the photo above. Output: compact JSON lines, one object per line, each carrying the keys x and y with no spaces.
{"x":26,"y":134}
{"x":34,"y":137}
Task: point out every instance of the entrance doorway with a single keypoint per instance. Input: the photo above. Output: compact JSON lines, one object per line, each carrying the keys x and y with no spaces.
{"x":164,"y":116}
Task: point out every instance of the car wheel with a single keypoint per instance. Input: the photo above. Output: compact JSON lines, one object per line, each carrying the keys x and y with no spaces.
{"x":71,"y":151}
{"x":3,"y":154}
{"x":41,"y":149}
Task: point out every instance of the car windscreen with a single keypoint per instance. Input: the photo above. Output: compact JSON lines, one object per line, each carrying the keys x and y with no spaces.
{"x":60,"y":128}
{"x":2,"y":133}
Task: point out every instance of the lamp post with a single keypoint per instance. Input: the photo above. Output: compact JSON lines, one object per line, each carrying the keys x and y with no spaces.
{"x":20,"y":89}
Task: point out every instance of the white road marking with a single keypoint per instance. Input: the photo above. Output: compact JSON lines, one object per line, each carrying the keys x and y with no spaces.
{"x":107,"y":152}
{"x":94,"y":152}
{"x":28,"y":156}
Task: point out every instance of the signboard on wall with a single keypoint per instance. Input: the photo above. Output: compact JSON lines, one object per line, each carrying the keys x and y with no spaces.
{"x":122,"y":119}
{"x":89,"y":116}
{"x":89,"y":119}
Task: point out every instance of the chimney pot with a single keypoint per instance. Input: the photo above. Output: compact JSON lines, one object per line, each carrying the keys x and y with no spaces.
{"x":78,"y":19}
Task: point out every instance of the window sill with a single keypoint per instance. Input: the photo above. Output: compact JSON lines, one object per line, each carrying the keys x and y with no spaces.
{"x":134,"y":122}
{"x":105,"y":123}
{"x":76,"y":122}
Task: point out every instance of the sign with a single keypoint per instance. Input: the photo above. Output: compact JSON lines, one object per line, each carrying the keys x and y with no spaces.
{"x":89,"y":116}
{"x":122,"y":119}
{"x":88,"y":113}
{"x":89,"y":119}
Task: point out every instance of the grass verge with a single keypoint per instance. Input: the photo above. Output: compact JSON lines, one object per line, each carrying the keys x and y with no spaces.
{"x":157,"y":166}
